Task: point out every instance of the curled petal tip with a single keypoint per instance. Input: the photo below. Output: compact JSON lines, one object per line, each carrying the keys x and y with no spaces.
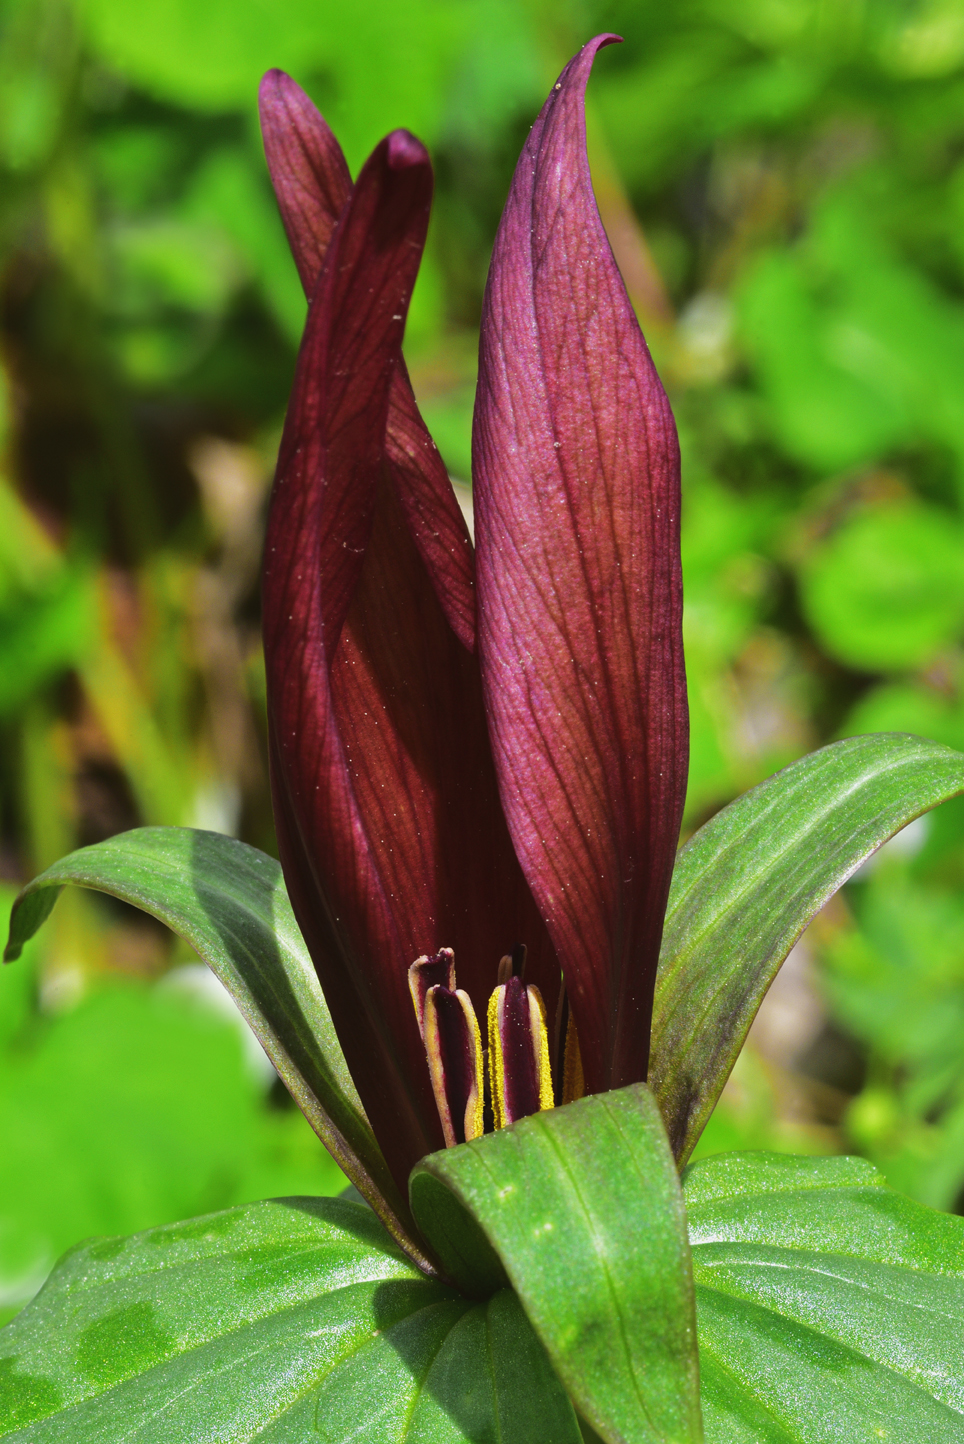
{"x":608,"y":37}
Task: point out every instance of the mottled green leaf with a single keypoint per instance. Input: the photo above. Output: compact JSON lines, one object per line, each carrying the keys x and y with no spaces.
{"x":583,"y":1206}
{"x":228,"y":900}
{"x":296,"y":1320}
{"x":829,"y":1307}
{"x":747,"y":884}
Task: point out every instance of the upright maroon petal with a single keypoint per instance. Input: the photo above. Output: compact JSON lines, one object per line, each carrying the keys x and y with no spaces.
{"x":389,"y":824}
{"x":311,"y":180}
{"x":308,"y":171}
{"x":431,"y":510}
{"x":577,"y":526}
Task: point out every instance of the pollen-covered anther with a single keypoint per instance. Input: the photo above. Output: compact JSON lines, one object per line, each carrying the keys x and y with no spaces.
{"x":570,"y":1080}
{"x":520,"y":1077}
{"x":453,"y":1045}
{"x":424,"y":973}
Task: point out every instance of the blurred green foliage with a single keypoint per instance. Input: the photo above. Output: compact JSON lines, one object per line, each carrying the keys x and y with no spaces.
{"x":135,"y":1102}
{"x":898,"y":984}
{"x":783,"y":184}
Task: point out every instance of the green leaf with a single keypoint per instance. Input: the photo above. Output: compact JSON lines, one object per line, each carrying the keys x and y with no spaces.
{"x":385,"y":64}
{"x":43,"y":632}
{"x":822,"y":413}
{"x":886,"y":589}
{"x":17,"y":997}
{"x":84,"y":1154}
{"x":583,"y":1206}
{"x":228,"y":900}
{"x":829,"y":1307}
{"x":745,"y":887}
{"x":292,"y":1320}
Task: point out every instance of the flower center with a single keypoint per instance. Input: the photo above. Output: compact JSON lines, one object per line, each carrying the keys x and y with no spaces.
{"x":510,"y":1079}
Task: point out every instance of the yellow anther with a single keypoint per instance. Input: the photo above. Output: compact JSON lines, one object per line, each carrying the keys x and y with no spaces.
{"x":520,"y":1075}
{"x":496,"y":1065}
{"x":453,"y":1047}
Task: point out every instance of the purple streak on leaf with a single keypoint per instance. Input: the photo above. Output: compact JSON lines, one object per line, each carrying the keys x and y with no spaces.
{"x":312,"y":183}
{"x":389,"y":824}
{"x":580,"y":598}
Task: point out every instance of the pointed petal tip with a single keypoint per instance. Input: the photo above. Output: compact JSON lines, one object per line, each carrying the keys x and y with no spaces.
{"x":274,"y":83}
{"x":404,"y":150}
{"x":580,"y":66}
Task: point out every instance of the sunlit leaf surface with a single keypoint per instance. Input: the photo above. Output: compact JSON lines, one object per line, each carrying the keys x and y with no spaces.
{"x":829,"y":1307}
{"x":582,"y":1205}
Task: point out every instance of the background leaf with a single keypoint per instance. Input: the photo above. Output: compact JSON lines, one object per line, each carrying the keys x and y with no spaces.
{"x":138,"y":1104}
{"x":897,"y":983}
{"x":582,"y":1205}
{"x":828,"y":1306}
{"x":747,"y":884}
{"x":229,"y":902}
{"x":886,"y":590}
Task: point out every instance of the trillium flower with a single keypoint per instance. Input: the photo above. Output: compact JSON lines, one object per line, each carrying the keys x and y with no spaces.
{"x":478,"y":761}
{"x":478,"y":755}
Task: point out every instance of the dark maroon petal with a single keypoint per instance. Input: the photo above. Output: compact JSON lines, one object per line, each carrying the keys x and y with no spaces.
{"x":576,"y":470}
{"x":312,"y":183}
{"x":408,"y":699}
{"x":431,"y":510}
{"x":308,"y":171}
{"x":389,"y":823}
